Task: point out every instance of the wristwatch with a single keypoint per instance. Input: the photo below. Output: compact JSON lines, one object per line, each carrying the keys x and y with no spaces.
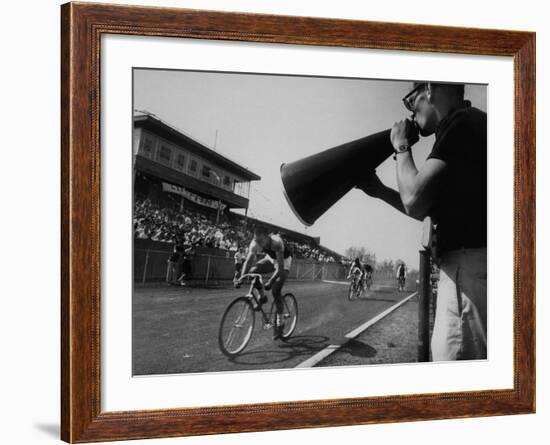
{"x":400,"y":149}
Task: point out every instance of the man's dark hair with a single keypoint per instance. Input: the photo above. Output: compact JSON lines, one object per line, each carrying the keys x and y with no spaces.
{"x":455,"y":89}
{"x":260,"y":230}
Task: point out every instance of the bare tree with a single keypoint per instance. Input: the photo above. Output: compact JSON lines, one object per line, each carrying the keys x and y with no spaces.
{"x":386,"y":268}
{"x":355,"y":252}
{"x":366,"y":255}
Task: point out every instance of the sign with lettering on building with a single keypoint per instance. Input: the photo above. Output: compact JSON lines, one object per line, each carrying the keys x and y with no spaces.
{"x":172,"y":188}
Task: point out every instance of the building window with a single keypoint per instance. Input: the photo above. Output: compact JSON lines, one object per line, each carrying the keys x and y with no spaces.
{"x":147,"y":147}
{"x":206,"y":171}
{"x":193,"y":167}
{"x":227,"y":181}
{"x":180,"y":162}
{"x":165,"y":154}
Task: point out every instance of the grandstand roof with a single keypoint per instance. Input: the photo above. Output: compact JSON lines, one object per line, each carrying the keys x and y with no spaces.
{"x":276,"y":228}
{"x":169,"y":133}
{"x":332,"y":252}
{"x":289,"y":232}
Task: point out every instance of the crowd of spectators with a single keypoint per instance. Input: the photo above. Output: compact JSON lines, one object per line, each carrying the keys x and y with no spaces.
{"x":194,"y":229}
{"x":309,"y":251}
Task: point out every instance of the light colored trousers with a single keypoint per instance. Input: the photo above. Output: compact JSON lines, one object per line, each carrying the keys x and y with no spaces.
{"x":460,"y":327}
{"x":172,"y":272}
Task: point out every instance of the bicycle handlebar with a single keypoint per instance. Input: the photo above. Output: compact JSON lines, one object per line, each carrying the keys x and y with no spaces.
{"x":251,"y":275}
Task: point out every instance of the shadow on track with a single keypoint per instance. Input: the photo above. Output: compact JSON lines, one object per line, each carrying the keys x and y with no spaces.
{"x":383,"y":290}
{"x":286,"y":350}
{"x":358,"y":349}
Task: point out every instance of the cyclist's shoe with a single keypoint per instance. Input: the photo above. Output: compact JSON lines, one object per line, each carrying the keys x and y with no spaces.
{"x":278,"y":332}
{"x":278,"y":328}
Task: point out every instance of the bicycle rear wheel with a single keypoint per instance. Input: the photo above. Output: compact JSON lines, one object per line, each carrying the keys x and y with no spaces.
{"x":290,"y":315}
{"x":236,"y":327}
{"x":359,"y":288}
{"x":369,"y":283}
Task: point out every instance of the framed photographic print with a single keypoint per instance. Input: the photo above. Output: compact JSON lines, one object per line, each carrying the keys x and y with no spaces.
{"x":275,"y":222}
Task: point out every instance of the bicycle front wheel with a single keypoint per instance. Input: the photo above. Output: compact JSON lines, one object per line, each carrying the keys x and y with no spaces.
{"x":359,"y":289}
{"x":351,"y":291}
{"x":290,"y":315}
{"x":236,"y":327}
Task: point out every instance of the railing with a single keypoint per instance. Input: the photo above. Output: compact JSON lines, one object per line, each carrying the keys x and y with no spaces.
{"x":150,"y":265}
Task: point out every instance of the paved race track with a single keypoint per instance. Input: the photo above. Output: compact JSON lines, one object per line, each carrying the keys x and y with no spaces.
{"x":175,"y":329}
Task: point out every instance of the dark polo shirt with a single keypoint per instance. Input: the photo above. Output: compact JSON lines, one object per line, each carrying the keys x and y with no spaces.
{"x":460,"y":208}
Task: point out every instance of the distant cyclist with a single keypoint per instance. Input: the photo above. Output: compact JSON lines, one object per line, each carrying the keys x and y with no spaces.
{"x":401,"y":275}
{"x":278,"y":259}
{"x":368,"y":275}
{"x":357,"y":268}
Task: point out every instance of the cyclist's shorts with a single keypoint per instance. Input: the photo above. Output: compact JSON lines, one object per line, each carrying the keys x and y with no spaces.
{"x":287,"y":262}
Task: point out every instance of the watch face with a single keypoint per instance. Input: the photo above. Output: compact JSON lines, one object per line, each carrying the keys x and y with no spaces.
{"x":402,"y":148}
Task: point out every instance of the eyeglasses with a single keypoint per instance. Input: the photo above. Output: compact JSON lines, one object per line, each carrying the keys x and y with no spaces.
{"x":410,"y":99}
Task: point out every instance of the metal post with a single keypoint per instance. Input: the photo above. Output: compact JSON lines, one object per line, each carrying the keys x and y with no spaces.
{"x":168,"y":269}
{"x":424,"y":307}
{"x":218,"y":212}
{"x":207,"y":270}
{"x":145,"y":267}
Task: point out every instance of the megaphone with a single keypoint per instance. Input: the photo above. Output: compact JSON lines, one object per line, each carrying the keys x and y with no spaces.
{"x":315,"y":183}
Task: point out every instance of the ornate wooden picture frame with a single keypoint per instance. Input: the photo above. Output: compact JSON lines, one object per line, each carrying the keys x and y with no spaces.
{"x":82,"y":26}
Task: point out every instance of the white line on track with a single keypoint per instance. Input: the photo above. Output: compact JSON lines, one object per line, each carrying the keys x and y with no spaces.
{"x":336,"y":282}
{"x":323,"y":353}
{"x":346,"y":283}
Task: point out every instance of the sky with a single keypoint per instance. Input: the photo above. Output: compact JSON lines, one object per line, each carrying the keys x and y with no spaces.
{"x":261,"y":121}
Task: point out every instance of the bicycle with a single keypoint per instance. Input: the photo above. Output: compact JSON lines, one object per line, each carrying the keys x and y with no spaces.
{"x":401,"y":284}
{"x":355,"y":288}
{"x":238,"y":320}
{"x":369,"y":281}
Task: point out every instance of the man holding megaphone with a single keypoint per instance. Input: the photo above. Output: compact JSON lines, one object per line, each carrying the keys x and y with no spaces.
{"x":451,"y":188}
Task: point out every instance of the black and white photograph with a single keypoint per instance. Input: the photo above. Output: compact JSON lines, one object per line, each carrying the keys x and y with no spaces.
{"x":240,"y":222}
{"x":285,"y":221}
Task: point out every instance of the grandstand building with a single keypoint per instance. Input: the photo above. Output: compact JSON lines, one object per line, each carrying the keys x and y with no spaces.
{"x":183,"y":194}
{"x":170,"y":167}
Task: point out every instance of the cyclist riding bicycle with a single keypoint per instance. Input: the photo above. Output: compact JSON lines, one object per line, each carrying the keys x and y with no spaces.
{"x":357,"y":268}
{"x":401,"y":275}
{"x":368,"y":275}
{"x":277,"y":259}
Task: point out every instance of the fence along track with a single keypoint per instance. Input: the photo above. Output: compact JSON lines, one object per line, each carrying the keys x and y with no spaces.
{"x":150,"y":265}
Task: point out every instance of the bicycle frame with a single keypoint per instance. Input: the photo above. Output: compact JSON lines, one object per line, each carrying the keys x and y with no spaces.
{"x":356,"y":280}
{"x":253,"y":292}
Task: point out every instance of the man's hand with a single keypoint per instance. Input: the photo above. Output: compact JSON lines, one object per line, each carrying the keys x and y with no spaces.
{"x":372,"y":185}
{"x":404,"y":133}
{"x":268,"y":285}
